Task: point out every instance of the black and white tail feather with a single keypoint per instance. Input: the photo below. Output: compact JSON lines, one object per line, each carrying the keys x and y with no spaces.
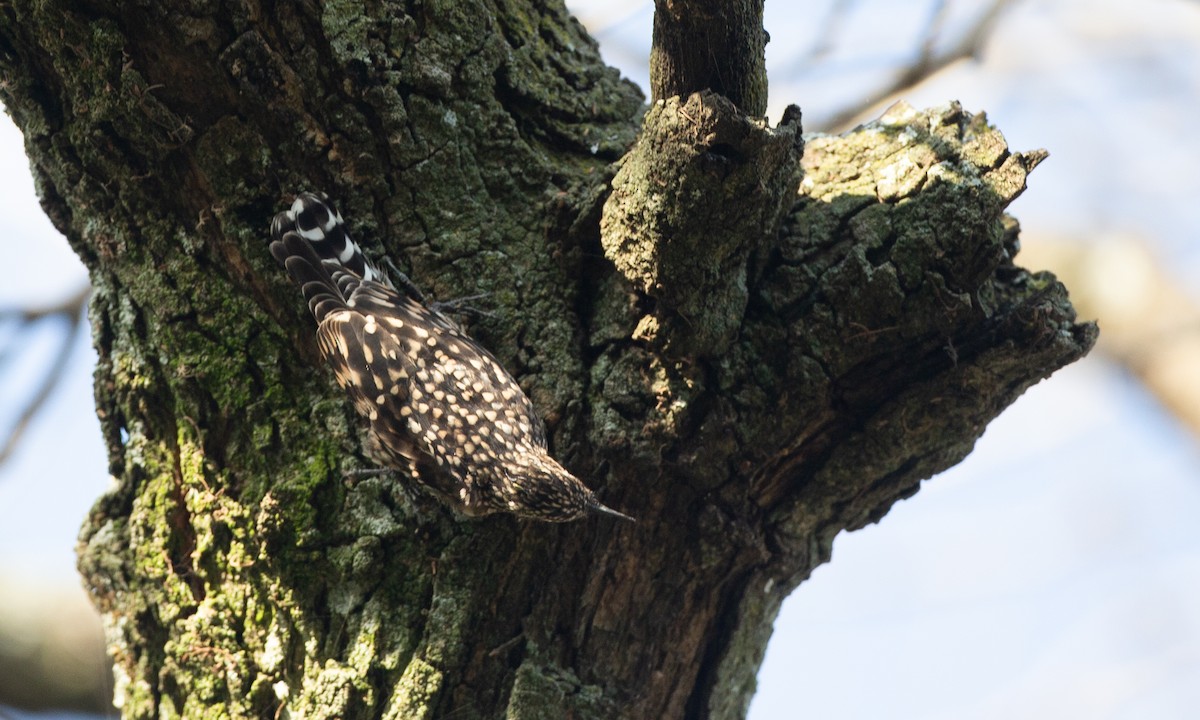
{"x":440,"y":406}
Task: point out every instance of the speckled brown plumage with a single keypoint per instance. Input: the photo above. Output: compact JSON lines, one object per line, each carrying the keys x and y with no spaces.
{"x":440,"y":406}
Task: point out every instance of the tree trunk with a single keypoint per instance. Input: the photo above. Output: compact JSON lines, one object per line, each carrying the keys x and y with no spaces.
{"x":746,"y":370}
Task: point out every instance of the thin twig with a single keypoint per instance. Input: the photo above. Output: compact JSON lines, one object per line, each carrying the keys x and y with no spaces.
{"x":927,"y":63}
{"x":71,"y":309}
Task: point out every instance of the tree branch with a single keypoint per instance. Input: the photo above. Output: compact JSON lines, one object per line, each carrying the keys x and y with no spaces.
{"x":70,"y":311}
{"x":928,"y":61}
{"x":717,"y":45}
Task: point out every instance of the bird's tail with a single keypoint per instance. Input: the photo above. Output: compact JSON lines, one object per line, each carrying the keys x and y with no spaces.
{"x":314,"y":218}
{"x":311,"y":241}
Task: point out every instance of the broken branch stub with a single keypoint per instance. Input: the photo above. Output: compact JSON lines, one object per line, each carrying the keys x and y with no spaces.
{"x":703,"y":189}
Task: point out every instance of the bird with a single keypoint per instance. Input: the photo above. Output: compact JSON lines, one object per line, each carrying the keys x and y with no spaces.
{"x":440,"y":407}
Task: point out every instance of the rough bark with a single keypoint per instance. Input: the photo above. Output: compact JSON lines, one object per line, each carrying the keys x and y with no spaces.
{"x":716,"y":45}
{"x":876,"y":323}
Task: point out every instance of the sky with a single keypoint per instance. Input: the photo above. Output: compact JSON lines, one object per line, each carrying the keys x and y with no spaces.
{"x":1056,"y":571}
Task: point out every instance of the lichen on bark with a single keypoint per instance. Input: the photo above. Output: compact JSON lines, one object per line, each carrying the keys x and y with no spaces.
{"x":883,"y":325}
{"x":703,"y":189}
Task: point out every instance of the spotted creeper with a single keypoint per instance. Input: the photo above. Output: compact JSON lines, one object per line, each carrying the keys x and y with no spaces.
{"x":440,"y":406}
